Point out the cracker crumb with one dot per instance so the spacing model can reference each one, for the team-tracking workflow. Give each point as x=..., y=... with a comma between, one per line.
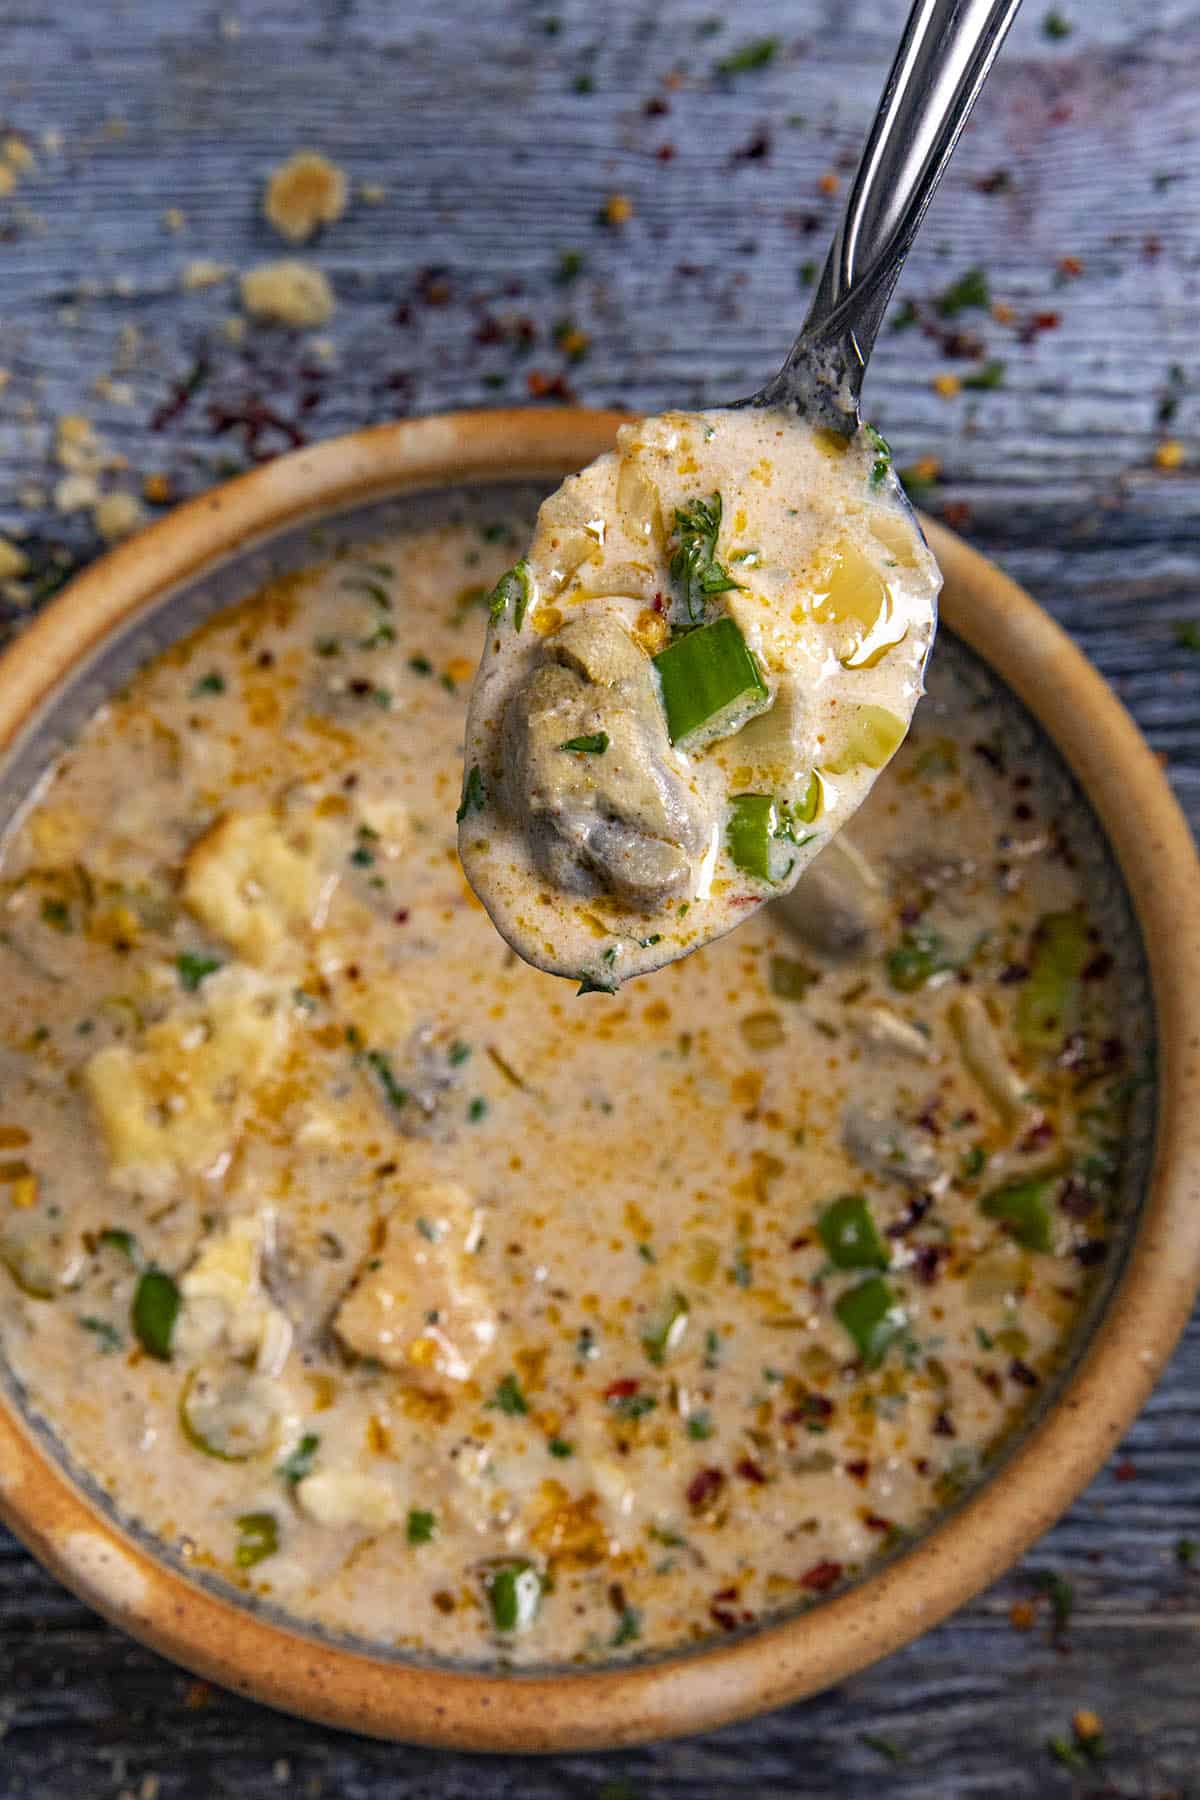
x=288, y=293
x=13, y=561
x=115, y=516
x=203, y=272
x=17, y=154
x=174, y=218
x=1087, y=1725
x=75, y=492
x=156, y=488
x=947, y=385
x=1169, y=454
x=304, y=193
x=618, y=209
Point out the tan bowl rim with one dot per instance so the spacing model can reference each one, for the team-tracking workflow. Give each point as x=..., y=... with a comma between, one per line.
x=695, y=1689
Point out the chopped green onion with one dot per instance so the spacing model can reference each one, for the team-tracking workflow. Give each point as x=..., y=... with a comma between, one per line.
x=514, y=1594
x=873, y=1318
x=757, y=822
x=473, y=796
x=514, y=589
x=595, y=744
x=295, y=1467
x=848, y=1233
x=155, y=1308
x=421, y=1527
x=1022, y=1208
x=560, y=1448
x=1048, y=1003
x=193, y=966
x=919, y=955
x=228, y=1412
x=258, y=1538
x=106, y=1335
x=883, y=456
x=667, y=1331
x=123, y=1242
x=710, y=684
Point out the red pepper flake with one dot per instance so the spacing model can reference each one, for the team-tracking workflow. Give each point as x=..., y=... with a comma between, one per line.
x=749, y=1470
x=727, y=1593
x=721, y=1616
x=1021, y=1372
x=990, y=1379
x=912, y=1215
x=876, y=1522
x=665, y=153
x=944, y=1426
x=549, y=387
x=1012, y=973
x=1037, y=1137
x=957, y=514
x=433, y=287
x=927, y=1261
x=1069, y=267
x=821, y=1576
x=757, y=148
x=1091, y=1253
x=622, y=1390
x=801, y=1242
x=1125, y=1470
x=1098, y=967
x=858, y=1470
x=704, y=1486
x=656, y=107
x=400, y=916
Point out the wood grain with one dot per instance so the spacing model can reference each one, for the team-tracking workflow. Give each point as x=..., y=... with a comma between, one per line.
x=491, y=164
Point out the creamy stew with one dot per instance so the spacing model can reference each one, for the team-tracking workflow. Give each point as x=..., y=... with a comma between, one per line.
x=714, y=644
x=384, y=1278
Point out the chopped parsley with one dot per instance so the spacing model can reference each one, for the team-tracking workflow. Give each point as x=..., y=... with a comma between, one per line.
x=509, y=1399
x=699, y=1426
x=594, y=744
x=420, y=665
x=629, y=1627
x=514, y=589
x=477, y=1110
x=473, y=796
x=561, y=1448
x=883, y=455
x=458, y=1053
x=421, y=1526
x=381, y=1067
x=193, y=966
x=295, y=1467
x=106, y=1335
x=694, y=566
x=969, y=290
x=57, y=914
x=755, y=54
x=991, y=375
x=1056, y=27
x=633, y=1406
x=212, y=683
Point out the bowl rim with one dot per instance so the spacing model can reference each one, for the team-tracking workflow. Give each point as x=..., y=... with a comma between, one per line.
x=694, y=1689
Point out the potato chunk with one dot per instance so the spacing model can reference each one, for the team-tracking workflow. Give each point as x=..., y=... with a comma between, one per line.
x=257, y=885
x=175, y=1105
x=415, y=1304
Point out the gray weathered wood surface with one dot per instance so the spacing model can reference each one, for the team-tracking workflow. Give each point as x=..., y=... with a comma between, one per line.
x=491, y=162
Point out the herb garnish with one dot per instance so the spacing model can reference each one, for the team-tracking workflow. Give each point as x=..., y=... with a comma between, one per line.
x=969, y=290
x=594, y=744
x=509, y=1399
x=295, y=1467
x=156, y=1303
x=395, y=1095
x=473, y=795
x=108, y=1337
x=193, y=966
x=421, y=1526
x=514, y=589
x=883, y=455
x=212, y=683
x=694, y=566
x=258, y=1538
x=753, y=55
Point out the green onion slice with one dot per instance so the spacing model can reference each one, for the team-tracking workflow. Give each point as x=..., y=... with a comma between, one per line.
x=258, y=1538
x=1022, y=1208
x=710, y=683
x=514, y=1594
x=1048, y=1004
x=155, y=1308
x=759, y=830
x=228, y=1412
x=848, y=1233
x=872, y=1316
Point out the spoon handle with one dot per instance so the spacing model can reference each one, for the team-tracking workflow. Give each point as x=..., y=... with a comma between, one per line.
x=945, y=54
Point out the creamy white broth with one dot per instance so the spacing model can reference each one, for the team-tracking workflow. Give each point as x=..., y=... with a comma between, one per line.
x=603, y=837
x=518, y=1308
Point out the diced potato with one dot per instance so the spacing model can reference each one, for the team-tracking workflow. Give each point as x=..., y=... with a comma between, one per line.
x=256, y=885
x=415, y=1305
x=224, y=1297
x=341, y=1497
x=175, y=1104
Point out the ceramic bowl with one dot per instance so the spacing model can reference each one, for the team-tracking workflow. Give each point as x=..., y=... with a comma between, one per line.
x=139, y=596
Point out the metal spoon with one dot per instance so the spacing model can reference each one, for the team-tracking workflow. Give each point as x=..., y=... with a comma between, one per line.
x=944, y=57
